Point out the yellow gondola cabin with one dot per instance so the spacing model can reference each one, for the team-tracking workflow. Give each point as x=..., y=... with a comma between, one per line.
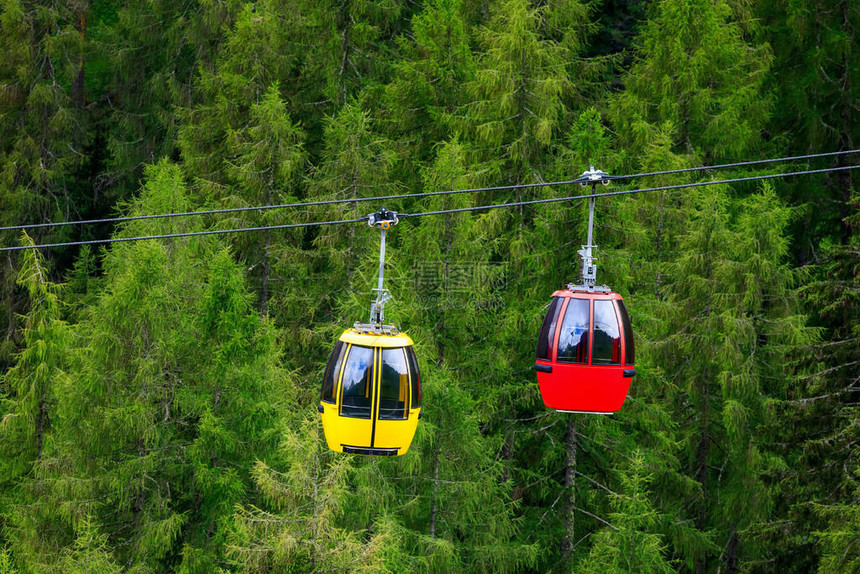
x=371, y=394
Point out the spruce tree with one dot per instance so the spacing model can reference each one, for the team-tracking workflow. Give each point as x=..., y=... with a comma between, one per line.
x=44, y=135
x=694, y=69
x=176, y=391
x=814, y=78
x=630, y=543
x=732, y=317
x=518, y=89
x=428, y=87
x=29, y=386
x=814, y=424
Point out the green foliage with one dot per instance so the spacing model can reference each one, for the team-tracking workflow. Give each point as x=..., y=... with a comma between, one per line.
x=166, y=441
x=518, y=88
x=90, y=552
x=428, y=88
x=41, y=366
x=696, y=72
x=630, y=544
x=839, y=543
x=158, y=406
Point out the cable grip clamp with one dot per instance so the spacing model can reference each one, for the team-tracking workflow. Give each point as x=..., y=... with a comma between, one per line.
x=383, y=219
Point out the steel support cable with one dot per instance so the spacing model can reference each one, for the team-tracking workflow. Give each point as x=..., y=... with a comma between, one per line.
x=287, y=205
x=187, y=234
x=438, y=212
x=409, y=195
x=738, y=164
x=628, y=192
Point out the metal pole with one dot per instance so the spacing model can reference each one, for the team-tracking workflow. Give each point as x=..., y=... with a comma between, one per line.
x=589, y=269
x=591, y=215
x=382, y=261
x=377, y=308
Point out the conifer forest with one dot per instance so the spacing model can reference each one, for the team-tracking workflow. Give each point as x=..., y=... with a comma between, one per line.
x=160, y=398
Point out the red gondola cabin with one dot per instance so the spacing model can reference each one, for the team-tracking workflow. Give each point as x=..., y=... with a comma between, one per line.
x=585, y=352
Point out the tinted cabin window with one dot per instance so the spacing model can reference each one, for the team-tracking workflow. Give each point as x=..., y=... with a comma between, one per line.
x=547, y=330
x=394, y=385
x=358, y=383
x=332, y=371
x=607, y=335
x=628, y=334
x=416, y=377
x=573, y=337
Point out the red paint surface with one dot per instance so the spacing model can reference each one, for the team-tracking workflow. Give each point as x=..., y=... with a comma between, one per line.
x=583, y=387
x=571, y=387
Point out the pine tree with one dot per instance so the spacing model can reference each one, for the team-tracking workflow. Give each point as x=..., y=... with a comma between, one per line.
x=90, y=552
x=815, y=74
x=257, y=59
x=266, y=156
x=515, y=110
x=839, y=549
x=356, y=162
x=696, y=71
x=466, y=515
x=428, y=87
x=29, y=386
x=148, y=56
x=346, y=46
x=734, y=315
x=518, y=90
x=815, y=423
x=44, y=134
x=306, y=491
x=631, y=543
x=175, y=393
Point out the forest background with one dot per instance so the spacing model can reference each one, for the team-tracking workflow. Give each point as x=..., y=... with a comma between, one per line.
x=159, y=397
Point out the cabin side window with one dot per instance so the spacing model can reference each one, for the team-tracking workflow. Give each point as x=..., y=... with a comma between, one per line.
x=332, y=371
x=573, y=337
x=416, y=377
x=394, y=385
x=357, y=397
x=547, y=330
x=629, y=352
x=607, y=335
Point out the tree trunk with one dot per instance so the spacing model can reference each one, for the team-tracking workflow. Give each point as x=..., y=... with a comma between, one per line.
x=659, y=244
x=79, y=94
x=702, y=468
x=433, y=509
x=264, y=295
x=40, y=428
x=845, y=139
x=732, y=559
x=569, y=484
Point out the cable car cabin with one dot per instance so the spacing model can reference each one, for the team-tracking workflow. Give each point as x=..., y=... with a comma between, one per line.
x=371, y=394
x=585, y=352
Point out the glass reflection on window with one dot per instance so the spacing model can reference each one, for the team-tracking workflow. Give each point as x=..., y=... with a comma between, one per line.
x=628, y=334
x=394, y=385
x=332, y=371
x=415, y=375
x=573, y=338
x=607, y=335
x=357, y=399
x=547, y=330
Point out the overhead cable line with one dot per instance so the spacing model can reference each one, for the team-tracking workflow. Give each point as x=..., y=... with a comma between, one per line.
x=627, y=192
x=738, y=164
x=438, y=212
x=409, y=195
x=186, y=234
